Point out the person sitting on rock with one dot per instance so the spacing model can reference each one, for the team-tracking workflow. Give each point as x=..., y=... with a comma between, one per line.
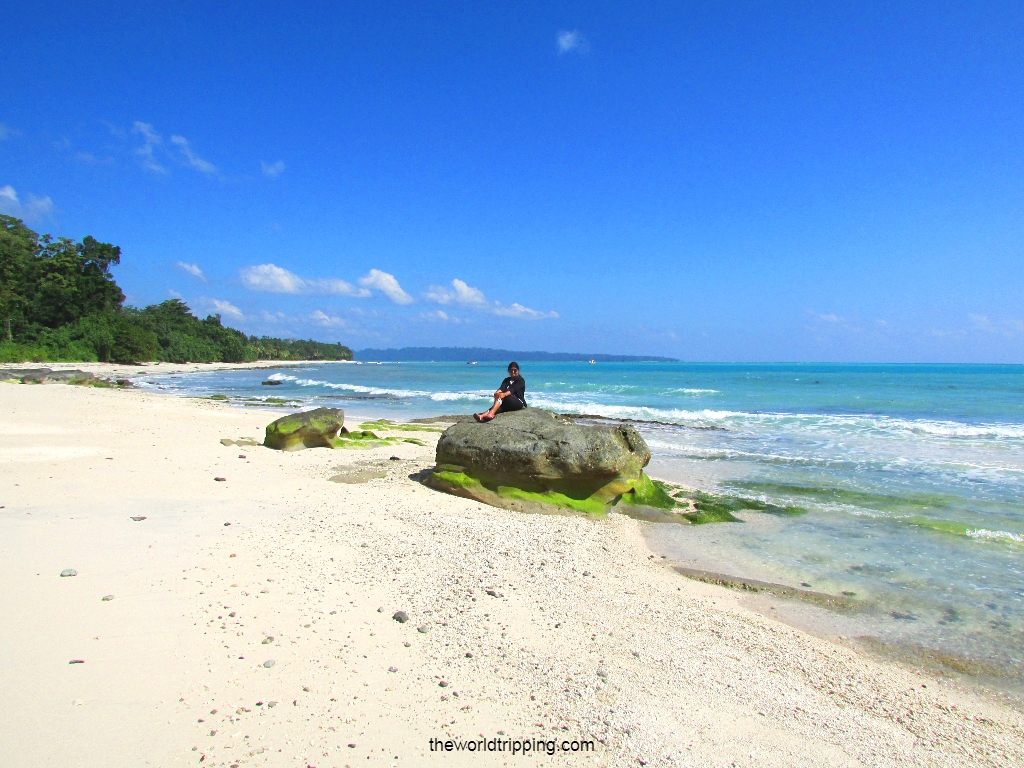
x=511, y=395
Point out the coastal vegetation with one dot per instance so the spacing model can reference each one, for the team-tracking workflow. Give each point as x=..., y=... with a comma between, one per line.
x=60, y=302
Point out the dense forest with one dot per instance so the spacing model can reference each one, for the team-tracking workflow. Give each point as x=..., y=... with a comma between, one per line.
x=59, y=302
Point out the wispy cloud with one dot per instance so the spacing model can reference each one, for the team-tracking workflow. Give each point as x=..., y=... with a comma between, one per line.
x=191, y=158
x=150, y=140
x=273, y=170
x=227, y=308
x=831, y=319
x=386, y=284
x=6, y=132
x=271, y=317
x=192, y=269
x=33, y=210
x=271, y=278
x=522, y=313
x=570, y=41
x=328, y=321
x=439, y=316
x=466, y=295
x=1007, y=328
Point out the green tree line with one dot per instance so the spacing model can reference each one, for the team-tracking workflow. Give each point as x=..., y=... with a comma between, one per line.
x=59, y=302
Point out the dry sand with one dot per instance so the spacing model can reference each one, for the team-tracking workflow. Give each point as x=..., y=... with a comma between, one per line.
x=533, y=626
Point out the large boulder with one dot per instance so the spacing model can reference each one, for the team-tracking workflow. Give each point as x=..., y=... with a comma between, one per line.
x=535, y=457
x=318, y=428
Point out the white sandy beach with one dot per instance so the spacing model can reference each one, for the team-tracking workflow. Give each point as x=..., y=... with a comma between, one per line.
x=587, y=635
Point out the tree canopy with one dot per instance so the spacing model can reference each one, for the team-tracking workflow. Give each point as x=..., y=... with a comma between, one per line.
x=59, y=301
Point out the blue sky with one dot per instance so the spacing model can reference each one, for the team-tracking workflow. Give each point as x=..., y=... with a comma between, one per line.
x=710, y=181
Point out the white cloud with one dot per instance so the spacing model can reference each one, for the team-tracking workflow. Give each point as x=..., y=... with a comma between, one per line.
x=150, y=140
x=274, y=279
x=273, y=170
x=322, y=318
x=569, y=40
x=192, y=269
x=271, y=317
x=193, y=160
x=467, y=295
x=227, y=308
x=34, y=209
x=386, y=284
x=460, y=293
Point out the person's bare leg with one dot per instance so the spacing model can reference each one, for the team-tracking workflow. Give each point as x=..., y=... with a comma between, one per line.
x=492, y=412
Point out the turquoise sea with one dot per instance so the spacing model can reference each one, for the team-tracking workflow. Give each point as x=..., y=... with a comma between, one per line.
x=912, y=477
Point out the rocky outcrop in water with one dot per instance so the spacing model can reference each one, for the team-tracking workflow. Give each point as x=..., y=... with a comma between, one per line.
x=534, y=457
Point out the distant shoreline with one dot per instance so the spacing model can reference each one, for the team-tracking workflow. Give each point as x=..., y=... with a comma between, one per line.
x=489, y=355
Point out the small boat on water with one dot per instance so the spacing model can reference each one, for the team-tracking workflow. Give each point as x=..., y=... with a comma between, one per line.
x=593, y=362
x=471, y=362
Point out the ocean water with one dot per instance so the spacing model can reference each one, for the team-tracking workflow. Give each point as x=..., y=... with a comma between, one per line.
x=911, y=477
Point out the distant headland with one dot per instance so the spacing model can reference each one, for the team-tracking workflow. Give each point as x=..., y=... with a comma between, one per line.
x=485, y=354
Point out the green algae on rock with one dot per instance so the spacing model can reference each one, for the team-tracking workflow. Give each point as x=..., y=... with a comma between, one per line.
x=388, y=425
x=318, y=428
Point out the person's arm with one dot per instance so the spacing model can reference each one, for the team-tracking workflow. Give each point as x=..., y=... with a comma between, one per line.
x=518, y=388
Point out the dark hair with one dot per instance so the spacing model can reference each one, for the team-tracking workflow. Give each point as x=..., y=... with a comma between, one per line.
x=512, y=365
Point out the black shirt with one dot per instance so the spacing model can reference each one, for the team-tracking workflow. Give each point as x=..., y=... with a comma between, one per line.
x=516, y=386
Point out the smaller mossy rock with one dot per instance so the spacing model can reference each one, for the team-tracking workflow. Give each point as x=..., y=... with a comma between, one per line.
x=648, y=493
x=318, y=428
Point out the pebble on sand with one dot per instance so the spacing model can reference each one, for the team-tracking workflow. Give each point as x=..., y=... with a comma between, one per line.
x=220, y=479
x=269, y=663
x=268, y=639
x=77, y=661
x=400, y=616
x=68, y=572
x=423, y=629
x=138, y=518
x=107, y=598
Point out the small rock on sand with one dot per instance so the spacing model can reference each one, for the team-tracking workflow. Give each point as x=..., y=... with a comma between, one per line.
x=68, y=572
x=423, y=629
x=269, y=663
x=220, y=479
x=401, y=617
x=107, y=598
x=268, y=639
x=138, y=518
x=77, y=661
